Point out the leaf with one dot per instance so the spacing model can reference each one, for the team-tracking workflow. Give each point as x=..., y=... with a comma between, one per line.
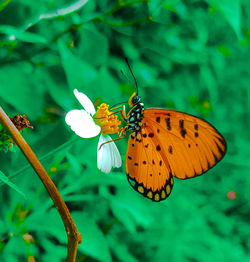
x=122, y=212
x=20, y=90
x=121, y=250
x=160, y=11
x=3, y=4
x=80, y=78
x=6, y=180
x=105, y=81
x=74, y=164
x=127, y=89
x=91, y=41
x=11, y=252
x=231, y=9
x=58, y=253
x=94, y=179
x=93, y=241
x=51, y=226
x=21, y=35
x=131, y=213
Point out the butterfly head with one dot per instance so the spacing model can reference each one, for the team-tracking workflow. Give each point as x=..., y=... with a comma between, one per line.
x=134, y=100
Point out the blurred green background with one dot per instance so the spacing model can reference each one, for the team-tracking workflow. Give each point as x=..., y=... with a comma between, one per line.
x=192, y=56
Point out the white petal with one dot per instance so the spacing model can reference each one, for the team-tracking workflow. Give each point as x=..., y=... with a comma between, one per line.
x=85, y=102
x=82, y=123
x=108, y=156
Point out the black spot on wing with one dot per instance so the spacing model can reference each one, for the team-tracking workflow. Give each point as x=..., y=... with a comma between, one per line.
x=168, y=123
x=181, y=123
x=170, y=150
x=158, y=119
x=183, y=131
x=158, y=148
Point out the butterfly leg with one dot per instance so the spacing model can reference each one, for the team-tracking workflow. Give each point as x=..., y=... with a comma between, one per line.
x=121, y=111
x=121, y=136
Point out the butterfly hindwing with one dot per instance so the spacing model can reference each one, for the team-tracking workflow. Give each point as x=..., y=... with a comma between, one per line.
x=148, y=172
x=191, y=145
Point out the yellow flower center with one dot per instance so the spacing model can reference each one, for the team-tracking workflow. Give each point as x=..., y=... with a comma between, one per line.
x=108, y=122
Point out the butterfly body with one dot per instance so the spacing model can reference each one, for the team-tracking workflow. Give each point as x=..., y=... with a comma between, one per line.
x=135, y=116
x=166, y=143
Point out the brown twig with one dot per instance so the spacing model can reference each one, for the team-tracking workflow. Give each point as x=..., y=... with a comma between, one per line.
x=74, y=237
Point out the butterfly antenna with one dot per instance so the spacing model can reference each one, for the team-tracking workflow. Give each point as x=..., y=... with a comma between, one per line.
x=126, y=77
x=126, y=59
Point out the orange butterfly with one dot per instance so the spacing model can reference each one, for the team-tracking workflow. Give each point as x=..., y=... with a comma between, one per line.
x=166, y=143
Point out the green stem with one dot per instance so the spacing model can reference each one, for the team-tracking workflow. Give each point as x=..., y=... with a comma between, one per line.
x=45, y=157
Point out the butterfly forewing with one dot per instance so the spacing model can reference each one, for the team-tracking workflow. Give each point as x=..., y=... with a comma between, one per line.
x=191, y=146
x=147, y=170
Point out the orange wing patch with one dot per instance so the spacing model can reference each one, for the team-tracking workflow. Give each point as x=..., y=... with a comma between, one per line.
x=148, y=172
x=189, y=145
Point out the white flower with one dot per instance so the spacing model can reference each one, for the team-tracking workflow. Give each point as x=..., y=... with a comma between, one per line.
x=83, y=123
x=108, y=156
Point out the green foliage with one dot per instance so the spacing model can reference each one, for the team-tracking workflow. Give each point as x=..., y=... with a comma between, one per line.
x=5, y=140
x=192, y=56
x=7, y=181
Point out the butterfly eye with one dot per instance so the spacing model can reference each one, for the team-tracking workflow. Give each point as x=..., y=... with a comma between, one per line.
x=135, y=100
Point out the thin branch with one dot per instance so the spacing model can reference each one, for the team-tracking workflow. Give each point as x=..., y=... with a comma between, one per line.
x=127, y=23
x=74, y=237
x=74, y=27
x=58, y=13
